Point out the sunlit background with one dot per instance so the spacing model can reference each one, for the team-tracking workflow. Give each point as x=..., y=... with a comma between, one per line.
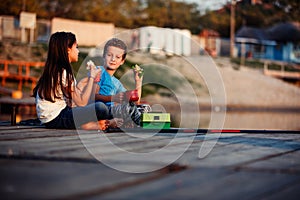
x=254, y=44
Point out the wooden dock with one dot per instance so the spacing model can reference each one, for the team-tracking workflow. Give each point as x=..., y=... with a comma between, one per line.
x=38, y=163
x=282, y=73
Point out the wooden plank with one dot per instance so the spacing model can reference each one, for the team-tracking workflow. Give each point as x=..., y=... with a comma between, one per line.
x=57, y=146
x=209, y=183
x=15, y=104
x=71, y=146
x=29, y=133
x=290, y=192
x=237, y=150
x=34, y=179
x=282, y=74
x=5, y=128
x=285, y=163
x=240, y=165
x=5, y=91
x=29, y=101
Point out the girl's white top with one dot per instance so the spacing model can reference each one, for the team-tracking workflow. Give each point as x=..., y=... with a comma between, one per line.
x=47, y=110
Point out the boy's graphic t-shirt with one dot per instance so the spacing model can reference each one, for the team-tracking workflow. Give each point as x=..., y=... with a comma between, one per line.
x=109, y=85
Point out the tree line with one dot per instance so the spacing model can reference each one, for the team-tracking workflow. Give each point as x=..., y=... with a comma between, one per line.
x=161, y=13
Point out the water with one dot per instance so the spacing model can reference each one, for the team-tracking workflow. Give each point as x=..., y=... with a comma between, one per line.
x=263, y=120
x=252, y=120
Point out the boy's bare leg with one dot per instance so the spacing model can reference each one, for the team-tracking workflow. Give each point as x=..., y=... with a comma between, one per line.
x=116, y=123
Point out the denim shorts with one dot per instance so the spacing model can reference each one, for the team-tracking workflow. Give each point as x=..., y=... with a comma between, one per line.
x=72, y=118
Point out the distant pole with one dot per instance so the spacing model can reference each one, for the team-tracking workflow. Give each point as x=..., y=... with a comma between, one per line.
x=232, y=27
x=24, y=5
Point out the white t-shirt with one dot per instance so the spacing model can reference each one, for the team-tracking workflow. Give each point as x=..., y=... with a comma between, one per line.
x=47, y=110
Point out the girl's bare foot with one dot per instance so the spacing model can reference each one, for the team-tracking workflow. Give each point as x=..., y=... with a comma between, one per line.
x=101, y=124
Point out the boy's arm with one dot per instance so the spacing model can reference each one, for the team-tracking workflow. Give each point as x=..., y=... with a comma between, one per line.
x=99, y=97
x=138, y=84
x=112, y=98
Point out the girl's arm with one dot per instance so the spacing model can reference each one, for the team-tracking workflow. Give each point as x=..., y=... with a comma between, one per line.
x=84, y=89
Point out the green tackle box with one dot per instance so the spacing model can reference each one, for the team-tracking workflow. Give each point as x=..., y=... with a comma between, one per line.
x=156, y=120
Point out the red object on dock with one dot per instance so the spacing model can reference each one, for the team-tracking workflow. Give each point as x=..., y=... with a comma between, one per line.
x=132, y=95
x=225, y=131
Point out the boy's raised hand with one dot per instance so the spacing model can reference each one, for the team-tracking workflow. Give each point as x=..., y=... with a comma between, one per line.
x=138, y=73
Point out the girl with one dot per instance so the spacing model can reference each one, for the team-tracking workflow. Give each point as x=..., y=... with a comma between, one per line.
x=59, y=102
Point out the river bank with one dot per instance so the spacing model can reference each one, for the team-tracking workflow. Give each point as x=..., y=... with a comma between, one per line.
x=244, y=87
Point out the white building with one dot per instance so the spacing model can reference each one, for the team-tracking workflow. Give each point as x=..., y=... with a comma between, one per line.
x=165, y=40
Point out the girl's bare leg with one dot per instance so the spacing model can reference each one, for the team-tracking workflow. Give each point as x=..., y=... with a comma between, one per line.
x=103, y=124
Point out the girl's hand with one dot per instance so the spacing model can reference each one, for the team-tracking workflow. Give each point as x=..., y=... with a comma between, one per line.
x=95, y=74
x=94, y=71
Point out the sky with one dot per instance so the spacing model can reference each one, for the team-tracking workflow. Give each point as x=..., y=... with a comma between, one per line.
x=208, y=4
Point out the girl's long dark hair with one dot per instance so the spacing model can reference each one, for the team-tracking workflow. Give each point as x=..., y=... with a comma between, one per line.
x=57, y=61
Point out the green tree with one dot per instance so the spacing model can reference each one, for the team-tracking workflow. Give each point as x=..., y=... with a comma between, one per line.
x=259, y=15
x=162, y=13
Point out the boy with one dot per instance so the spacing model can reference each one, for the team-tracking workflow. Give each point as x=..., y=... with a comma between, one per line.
x=109, y=89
